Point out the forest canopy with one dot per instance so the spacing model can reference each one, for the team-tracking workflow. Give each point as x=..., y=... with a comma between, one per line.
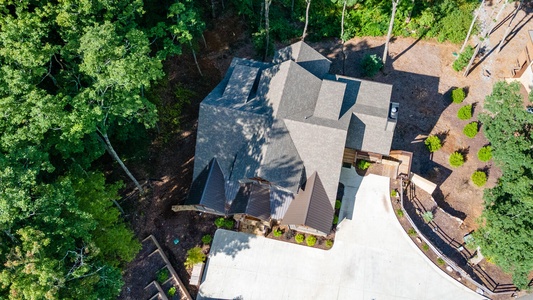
x=73, y=78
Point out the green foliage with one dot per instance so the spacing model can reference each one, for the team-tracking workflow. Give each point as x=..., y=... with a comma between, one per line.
x=172, y=291
x=394, y=193
x=338, y=204
x=310, y=240
x=219, y=222
x=479, y=178
x=462, y=61
x=363, y=164
x=506, y=230
x=370, y=65
x=277, y=232
x=329, y=243
x=299, y=238
x=457, y=159
x=399, y=212
x=194, y=255
x=425, y=247
x=484, y=154
x=465, y=112
x=471, y=129
x=207, y=239
x=162, y=275
x=458, y=95
x=335, y=220
x=228, y=223
x=411, y=232
x=440, y=261
x=427, y=216
x=433, y=143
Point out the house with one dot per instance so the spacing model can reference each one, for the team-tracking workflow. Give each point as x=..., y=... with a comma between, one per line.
x=522, y=70
x=278, y=133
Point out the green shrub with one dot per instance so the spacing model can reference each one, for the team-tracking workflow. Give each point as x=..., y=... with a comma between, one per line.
x=194, y=255
x=371, y=64
x=338, y=204
x=471, y=129
x=394, y=193
x=456, y=159
x=479, y=178
x=464, y=58
x=277, y=232
x=485, y=153
x=427, y=216
x=219, y=222
x=465, y=112
x=171, y=291
x=310, y=240
x=228, y=223
x=440, y=261
x=399, y=212
x=162, y=275
x=335, y=219
x=299, y=238
x=206, y=239
x=329, y=243
x=411, y=232
x=433, y=143
x=363, y=164
x=458, y=95
x=425, y=247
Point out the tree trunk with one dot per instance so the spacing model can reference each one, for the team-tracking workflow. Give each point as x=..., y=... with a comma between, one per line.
x=391, y=25
x=195, y=60
x=267, y=27
x=410, y=12
x=213, y=8
x=306, y=19
x=467, y=70
x=342, y=38
x=292, y=8
x=471, y=27
x=342, y=20
x=509, y=27
x=114, y=154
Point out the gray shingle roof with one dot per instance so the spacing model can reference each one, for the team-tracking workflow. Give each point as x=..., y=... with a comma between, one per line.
x=311, y=207
x=284, y=120
x=306, y=57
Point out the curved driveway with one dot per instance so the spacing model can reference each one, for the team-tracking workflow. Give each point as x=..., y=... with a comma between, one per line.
x=373, y=258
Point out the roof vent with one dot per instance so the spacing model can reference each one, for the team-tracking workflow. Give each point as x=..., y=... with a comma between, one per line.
x=393, y=110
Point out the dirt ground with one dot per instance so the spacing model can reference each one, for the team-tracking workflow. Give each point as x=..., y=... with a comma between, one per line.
x=421, y=74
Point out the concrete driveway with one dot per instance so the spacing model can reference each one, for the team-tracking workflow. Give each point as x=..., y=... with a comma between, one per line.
x=372, y=258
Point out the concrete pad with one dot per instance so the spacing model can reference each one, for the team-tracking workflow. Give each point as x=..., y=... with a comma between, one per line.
x=372, y=258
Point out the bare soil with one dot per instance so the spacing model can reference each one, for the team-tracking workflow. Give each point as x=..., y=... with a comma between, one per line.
x=422, y=78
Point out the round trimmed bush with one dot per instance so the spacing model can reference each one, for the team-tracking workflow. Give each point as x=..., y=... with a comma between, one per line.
x=206, y=239
x=329, y=243
x=471, y=129
x=299, y=238
x=371, y=64
x=338, y=204
x=465, y=112
x=277, y=232
x=485, y=153
x=458, y=95
x=479, y=178
x=335, y=219
x=310, y=240
x=457, y=159
x=433, y=143
x=363, y=164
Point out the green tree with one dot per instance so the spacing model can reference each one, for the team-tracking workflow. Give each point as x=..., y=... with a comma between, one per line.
x=433, y=143
x=506, y=219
